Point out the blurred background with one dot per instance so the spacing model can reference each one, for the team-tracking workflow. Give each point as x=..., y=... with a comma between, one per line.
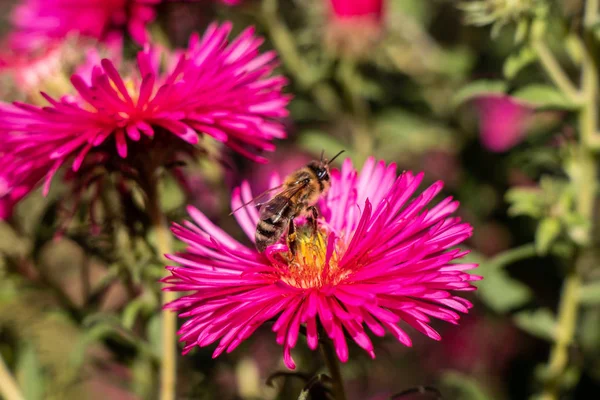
x=422, y=83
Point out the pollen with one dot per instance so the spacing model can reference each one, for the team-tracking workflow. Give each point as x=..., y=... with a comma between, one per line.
x=312, y=267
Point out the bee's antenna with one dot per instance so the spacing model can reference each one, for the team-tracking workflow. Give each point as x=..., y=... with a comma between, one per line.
x=336, y=156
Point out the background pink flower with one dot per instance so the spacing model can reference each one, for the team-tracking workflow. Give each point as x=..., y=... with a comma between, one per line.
x=354, y=26
x=357, y=8
x=220, y=88
x=377, y=260
x=502, y=122
x=39, y=22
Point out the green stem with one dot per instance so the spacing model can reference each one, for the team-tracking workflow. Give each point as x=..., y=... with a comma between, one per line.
x=565, y=331
x=8, y=385
x=555, y=71
x=168, y=369
x=333, y=366
x=510, y=256
x=584, y=179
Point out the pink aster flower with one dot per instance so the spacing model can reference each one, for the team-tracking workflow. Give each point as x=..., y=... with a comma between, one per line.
x=502, y=122
x=13, y=188
x=378, y=260
x=354, y=25
x=342, y=9
x=39, y=22
x=216, y=87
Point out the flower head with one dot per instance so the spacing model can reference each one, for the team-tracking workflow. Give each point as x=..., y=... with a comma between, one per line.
x=219, y=88
x=376, y=260
x=39, y=22
x=503, y=122
x=354, y=26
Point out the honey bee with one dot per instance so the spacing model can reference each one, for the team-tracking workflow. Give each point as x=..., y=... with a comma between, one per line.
x=298, y=194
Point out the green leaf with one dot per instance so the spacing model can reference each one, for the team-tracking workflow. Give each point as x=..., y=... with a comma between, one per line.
x=525, y=201
x=29, y=373
x=590, y=294
x=540, y=323
x=141, y=305
x=547, y=232
x=171, y=194
x=477, y=89
x=543, y=97
x=499, y=291
x=589, y=331
x=402, y=134
x=154, y=334
x=143, y=381
x=518, y=60
x=468, y=388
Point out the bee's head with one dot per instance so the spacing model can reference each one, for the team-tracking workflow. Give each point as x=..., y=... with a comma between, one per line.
x=321, y=167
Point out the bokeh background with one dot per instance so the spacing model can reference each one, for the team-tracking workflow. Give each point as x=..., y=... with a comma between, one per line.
x=79, y=312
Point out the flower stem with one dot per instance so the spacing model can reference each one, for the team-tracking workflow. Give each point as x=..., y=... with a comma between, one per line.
x=555, y=71
x=168, y=368
x=565, y=330
x=333, y=366
x=8, y=386
x=584, y=178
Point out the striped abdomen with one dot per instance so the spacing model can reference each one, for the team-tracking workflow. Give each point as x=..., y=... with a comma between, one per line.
x=274, y=219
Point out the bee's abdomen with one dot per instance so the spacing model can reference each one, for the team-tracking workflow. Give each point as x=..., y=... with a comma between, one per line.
x=268, y=232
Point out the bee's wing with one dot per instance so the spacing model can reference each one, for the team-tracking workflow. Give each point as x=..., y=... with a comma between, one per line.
x=275, y=207
x=256, y=199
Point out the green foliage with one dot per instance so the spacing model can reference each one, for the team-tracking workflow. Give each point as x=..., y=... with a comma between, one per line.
x=540, y=323
x=553, y=202
x=402, y=133
x=518, y=60
x=477, y=89
x=543, y=97
x=501, y=292
x=589, y=294
x=29, y=373
x=464, y=386
x=547, y=232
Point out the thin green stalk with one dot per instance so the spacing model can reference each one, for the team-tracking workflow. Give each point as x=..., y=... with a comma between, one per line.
x=555, y=71
x=168, y=370
x=565, y=331
x=333, y=366
x=8, y=385
x=513, y=255
x=585, y=179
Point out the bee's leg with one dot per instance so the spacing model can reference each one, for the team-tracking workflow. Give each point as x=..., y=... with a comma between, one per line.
x=312, y=218
x=291, y=238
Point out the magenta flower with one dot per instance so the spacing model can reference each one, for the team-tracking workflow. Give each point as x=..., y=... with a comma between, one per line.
x=219, y=88
x=355, y=26
x=13, y=188
x=377, y=260
x=357, y=8
x=39, y=22
x=502, y=122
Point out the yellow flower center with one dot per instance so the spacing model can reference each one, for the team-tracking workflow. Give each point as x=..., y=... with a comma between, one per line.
x=310, y=267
